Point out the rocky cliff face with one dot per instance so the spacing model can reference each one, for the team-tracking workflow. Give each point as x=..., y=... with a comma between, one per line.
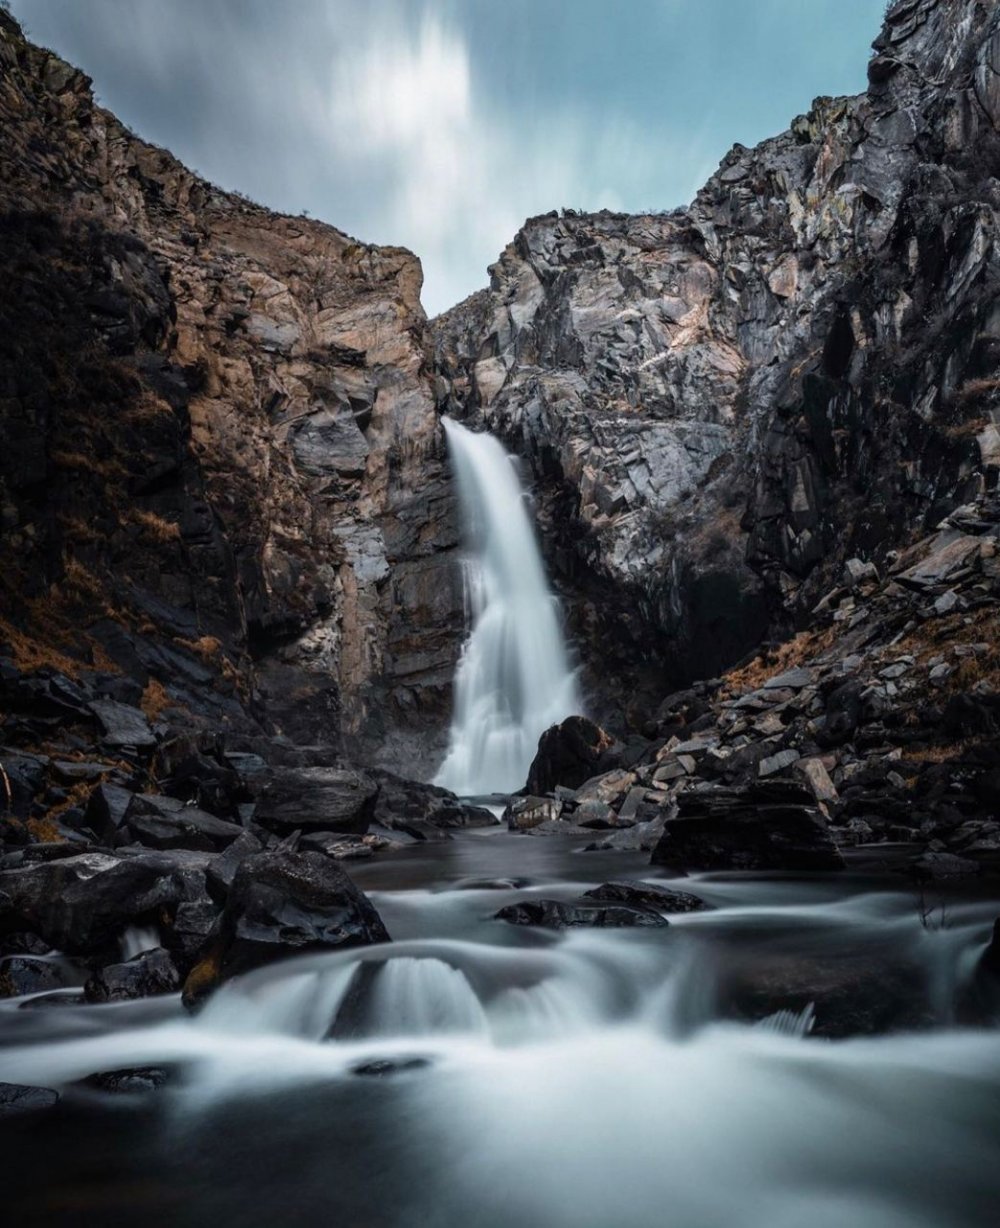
x=222, y=479
x=723, y=403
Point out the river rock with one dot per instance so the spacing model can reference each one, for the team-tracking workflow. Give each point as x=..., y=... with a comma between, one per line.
x=568, y=754
x=280, y=904
x=19, y=1098
x=523, y=813
x=646, y=895
x=555, y=914
x=321, y=798
x=768, y=826
x=150, y=972
x=82, y=903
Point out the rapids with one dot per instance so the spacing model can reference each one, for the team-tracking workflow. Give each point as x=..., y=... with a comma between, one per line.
x=594, y=1078
x=513, y=680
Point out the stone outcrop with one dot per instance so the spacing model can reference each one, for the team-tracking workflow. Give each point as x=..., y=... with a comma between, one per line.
x=222, y=484
x=723, y=403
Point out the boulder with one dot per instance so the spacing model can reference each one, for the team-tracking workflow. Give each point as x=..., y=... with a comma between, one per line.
x=20, y=1098
x=568, y=754
x=283, y=903
x=25, y=974
x=150, y=972
x=554, y=914
x=321, y=798
x=82, y=903
x=122, y=725
x=640, y=894
x=167, y=823
x=770, y=825
x=523, y=813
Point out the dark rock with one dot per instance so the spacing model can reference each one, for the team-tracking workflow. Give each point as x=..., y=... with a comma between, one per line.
x=280, y=904
x=568, y=754
x=167, y=823
x=647, y=895
x=21, y=974
x=186, y=932
x=148, y=973
x=222, y=869
x=323, y=798
x=19, y=1098
x=85, y=902
x=523, y=813
x=767, y=826
x=134, y=1081
x=106, y=811
x=554, y=914
x=122, y=725
x=381, y=1067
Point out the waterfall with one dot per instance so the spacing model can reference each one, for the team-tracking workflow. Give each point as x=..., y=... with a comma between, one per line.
x=513, y=680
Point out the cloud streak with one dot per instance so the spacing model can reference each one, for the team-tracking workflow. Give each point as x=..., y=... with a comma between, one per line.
x=442, y=124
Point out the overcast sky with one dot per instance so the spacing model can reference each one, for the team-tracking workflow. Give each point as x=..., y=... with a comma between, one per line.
x=443, y=124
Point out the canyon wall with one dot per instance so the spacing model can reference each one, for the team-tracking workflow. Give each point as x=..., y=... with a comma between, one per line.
x=223, y=470
x=723, y=403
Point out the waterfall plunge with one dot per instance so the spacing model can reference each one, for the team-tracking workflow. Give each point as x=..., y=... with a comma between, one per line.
x=513, y=680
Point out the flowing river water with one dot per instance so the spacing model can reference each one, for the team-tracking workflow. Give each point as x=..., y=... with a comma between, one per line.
x=475, y=1073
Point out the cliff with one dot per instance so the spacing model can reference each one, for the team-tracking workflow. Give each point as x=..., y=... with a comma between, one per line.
x=724, y=403
x=222, y=482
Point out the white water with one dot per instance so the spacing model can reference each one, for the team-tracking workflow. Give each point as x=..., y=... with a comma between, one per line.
x=513, y=680
x=584, y=1080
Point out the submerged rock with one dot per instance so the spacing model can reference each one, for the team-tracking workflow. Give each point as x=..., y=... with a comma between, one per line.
x=554, y=914
x=647, y=895
x=283, y=903
x=20, y=1098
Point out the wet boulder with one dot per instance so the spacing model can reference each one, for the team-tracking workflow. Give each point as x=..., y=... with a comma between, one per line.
x=568, y=754
x=557, y=915
x=640, y=894
x=150, y=972
x=79, y=904
x=770, y=825
x=283, y=903
x=168, y=823
x=26, y=974
x=20, y=1098
x=523, y=813
x=317, y=798
x=133, y=1081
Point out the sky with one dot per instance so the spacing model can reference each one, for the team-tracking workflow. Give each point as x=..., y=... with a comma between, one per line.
x=442, y=125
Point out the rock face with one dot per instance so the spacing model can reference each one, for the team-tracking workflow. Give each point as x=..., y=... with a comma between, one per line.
x=222, y=484
x=723, y=403
x=283, y=903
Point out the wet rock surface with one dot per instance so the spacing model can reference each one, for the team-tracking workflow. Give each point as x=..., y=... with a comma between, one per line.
x=554, y=914
x=282, y=903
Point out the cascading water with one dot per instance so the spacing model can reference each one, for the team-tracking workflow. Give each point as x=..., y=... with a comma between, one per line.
x=513, y=680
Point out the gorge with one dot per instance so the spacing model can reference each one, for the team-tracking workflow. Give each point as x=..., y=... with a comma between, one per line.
x=678, y=546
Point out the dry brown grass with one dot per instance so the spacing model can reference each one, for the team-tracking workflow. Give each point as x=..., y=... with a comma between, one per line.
x=155, y=528
x=155, y=700
x=206, y=647
x=975, y=389
x=32, y=654
x=799, y=650
x=109, y=469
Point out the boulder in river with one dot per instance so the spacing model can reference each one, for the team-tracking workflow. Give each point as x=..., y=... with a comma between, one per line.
x=283, y=903
x=770, y=825
x=150, y=972
x=568, y=754
x=20, y=1098
x=641, y=894
x=555, y=914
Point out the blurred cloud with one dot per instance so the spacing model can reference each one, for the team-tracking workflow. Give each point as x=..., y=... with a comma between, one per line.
x=442, y=124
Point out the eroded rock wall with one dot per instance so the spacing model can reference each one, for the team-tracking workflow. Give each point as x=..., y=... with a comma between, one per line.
x=722, y=403
x=222, y=464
